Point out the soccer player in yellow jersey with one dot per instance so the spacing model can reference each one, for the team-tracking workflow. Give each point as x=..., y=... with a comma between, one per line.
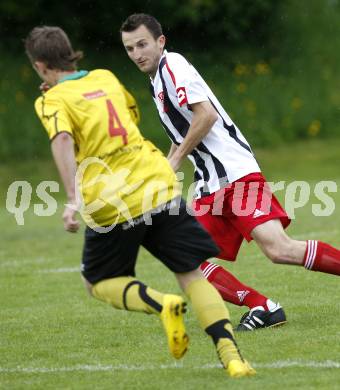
x=129, y=198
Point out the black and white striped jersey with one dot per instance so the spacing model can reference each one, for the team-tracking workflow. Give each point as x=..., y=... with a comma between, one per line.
x=223, y=155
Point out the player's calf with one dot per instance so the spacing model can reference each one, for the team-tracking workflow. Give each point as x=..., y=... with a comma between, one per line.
x=214, y=319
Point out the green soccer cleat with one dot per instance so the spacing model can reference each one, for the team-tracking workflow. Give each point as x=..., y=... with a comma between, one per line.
x=172, y=318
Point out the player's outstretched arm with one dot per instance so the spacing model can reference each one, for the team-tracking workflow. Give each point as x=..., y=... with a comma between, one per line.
x=64, y=157
x=172, y=150
x=203, y=119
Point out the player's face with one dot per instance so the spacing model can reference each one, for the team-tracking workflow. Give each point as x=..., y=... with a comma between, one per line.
x=143, y=49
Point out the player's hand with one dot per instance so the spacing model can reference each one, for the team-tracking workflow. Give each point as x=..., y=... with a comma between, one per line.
x=70, y=222
x=44, y=87
x=175, y=163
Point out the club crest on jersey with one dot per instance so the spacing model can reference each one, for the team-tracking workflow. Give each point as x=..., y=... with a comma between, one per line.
x=161, y=99
x=181, y=96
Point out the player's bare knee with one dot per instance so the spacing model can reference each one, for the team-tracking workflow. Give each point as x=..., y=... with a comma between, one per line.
x=184, y=279
x=88, y=286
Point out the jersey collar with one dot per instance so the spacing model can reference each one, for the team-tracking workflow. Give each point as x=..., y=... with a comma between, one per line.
x=74, y=76
x=165, y=52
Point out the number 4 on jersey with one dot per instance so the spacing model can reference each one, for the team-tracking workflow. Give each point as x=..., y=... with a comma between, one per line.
x=115, y=125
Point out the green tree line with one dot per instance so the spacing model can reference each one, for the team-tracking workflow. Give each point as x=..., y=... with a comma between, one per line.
x=203, y=23
x=279, y=82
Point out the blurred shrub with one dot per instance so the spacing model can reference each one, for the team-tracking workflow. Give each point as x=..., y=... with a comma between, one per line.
x=281, y=91
x=204, y=23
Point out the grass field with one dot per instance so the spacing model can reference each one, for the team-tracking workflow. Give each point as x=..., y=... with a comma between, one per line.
x=52, y=336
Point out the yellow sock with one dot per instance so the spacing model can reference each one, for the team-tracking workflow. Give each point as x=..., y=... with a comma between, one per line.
x=214, y=319
x=128, y=293
x=207, y=303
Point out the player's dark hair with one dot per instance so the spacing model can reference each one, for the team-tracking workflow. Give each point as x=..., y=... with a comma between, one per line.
x=136, y=20
x=51, y=46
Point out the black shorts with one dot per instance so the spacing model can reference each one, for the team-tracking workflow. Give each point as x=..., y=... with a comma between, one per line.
x=178, y=241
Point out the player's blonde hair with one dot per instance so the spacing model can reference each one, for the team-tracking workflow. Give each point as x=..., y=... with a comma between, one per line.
x=52, y=46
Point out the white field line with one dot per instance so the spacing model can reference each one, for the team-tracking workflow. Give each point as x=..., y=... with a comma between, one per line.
x=14, y=263
x=60, y=270
x=98, y=368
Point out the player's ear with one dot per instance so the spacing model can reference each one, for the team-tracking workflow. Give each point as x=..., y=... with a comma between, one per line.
x=161, y=41
x=40, y=67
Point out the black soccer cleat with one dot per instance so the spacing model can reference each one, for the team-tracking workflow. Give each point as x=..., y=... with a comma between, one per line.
x=258, y=318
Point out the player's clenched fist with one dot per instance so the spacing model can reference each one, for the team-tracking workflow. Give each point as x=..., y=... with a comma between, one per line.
x=70, y=222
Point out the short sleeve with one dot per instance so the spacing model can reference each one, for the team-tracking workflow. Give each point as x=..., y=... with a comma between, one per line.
x=186, y=80
x=53, y=115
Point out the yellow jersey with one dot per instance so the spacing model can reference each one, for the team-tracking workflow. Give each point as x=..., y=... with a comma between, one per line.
x=120, y=174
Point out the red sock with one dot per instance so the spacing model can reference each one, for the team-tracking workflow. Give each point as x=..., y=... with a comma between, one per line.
x=322, y=257
x=230, y=288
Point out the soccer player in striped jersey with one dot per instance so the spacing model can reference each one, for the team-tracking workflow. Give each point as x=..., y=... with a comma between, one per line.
x=233, y=200
x=128, y=189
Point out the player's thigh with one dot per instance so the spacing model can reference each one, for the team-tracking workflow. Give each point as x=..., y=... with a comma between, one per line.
x=270, y=234
x=179, y=241
x=111, y=254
